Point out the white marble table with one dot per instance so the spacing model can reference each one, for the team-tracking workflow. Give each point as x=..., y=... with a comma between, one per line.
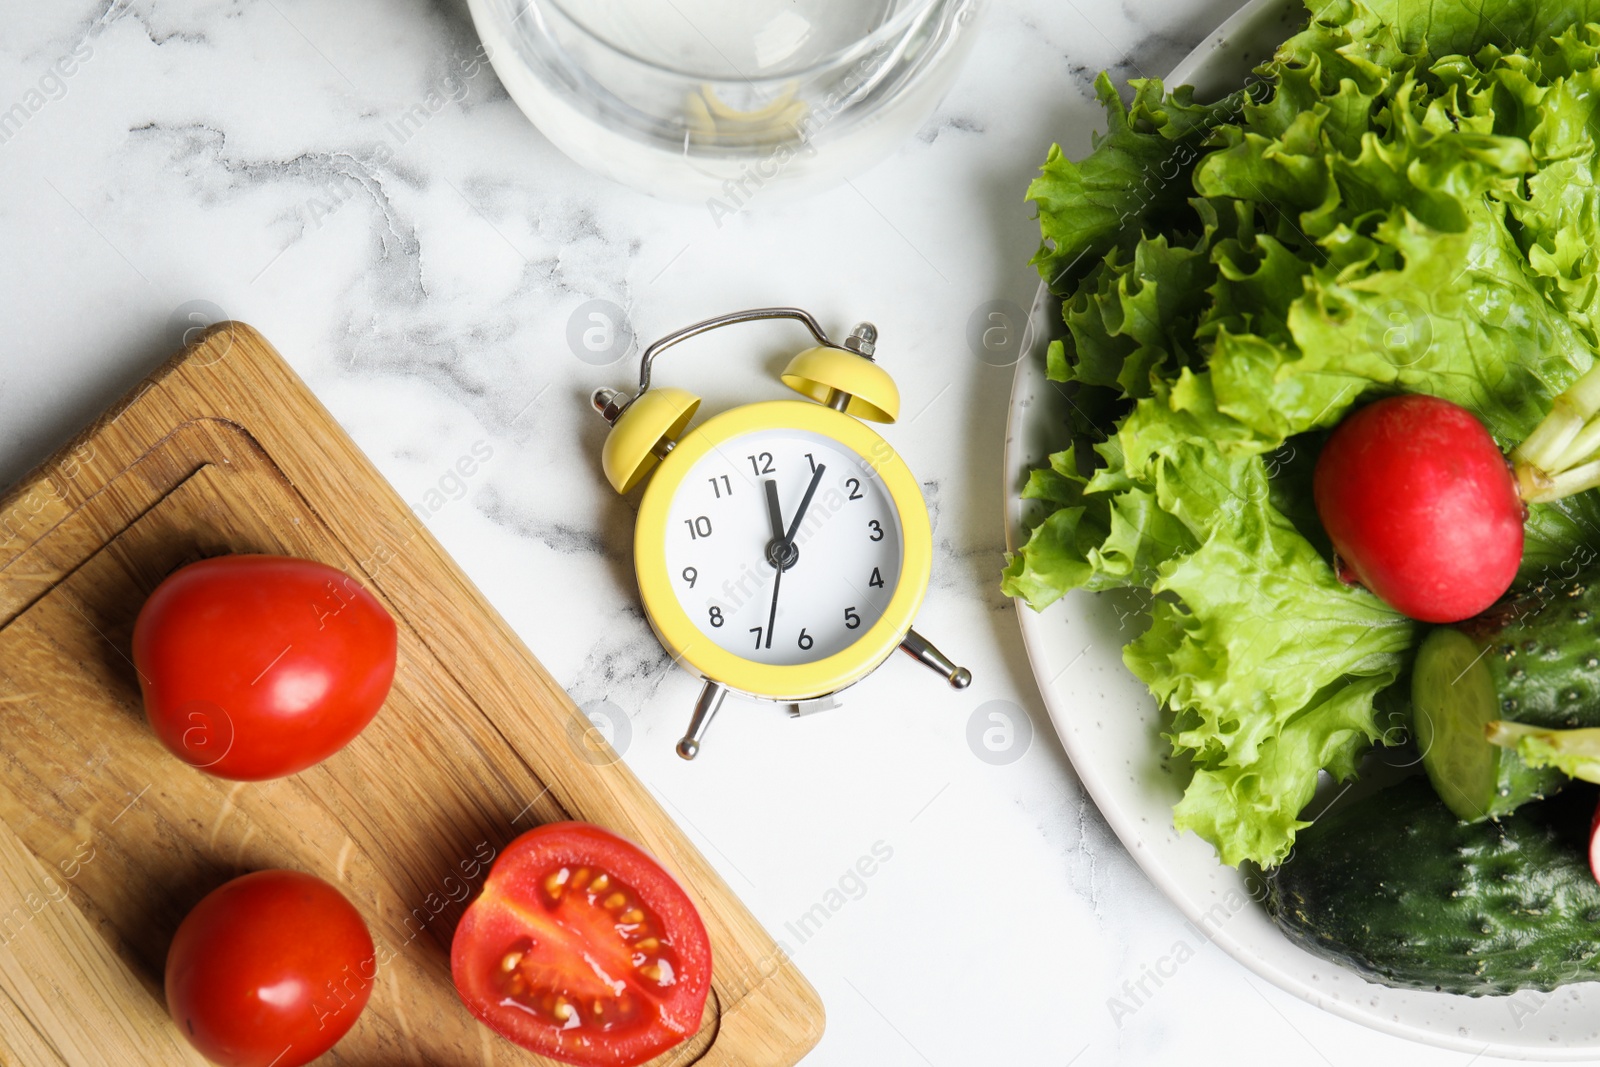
x=224, y=152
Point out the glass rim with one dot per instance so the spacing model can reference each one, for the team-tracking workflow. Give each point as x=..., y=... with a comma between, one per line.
x=888, y=29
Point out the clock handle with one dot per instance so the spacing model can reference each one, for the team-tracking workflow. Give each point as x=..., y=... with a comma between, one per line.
x=921, y=649
x=648, y=359
x=705, y=709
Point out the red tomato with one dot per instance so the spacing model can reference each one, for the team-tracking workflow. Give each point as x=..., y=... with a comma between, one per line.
x=583, y=949
x=270, y=969
x=259, y=666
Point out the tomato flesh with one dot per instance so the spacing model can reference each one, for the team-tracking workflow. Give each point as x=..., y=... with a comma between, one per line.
x=255, y=667
x=583, y=949
x=272, y=968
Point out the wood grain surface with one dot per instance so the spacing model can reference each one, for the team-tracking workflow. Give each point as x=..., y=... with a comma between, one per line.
x=107, y=840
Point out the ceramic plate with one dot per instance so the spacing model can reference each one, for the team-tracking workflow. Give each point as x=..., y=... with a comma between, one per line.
x=1109, y=723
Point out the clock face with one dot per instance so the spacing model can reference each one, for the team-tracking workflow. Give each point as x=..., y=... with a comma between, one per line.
x=722, y=554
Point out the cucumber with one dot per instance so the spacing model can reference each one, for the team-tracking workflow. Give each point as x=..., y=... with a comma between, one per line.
x=1454, y=697
x=1399, y=889
x=1535, y=660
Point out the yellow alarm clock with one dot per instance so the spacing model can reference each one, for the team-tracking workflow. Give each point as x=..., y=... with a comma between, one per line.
x=783, y=547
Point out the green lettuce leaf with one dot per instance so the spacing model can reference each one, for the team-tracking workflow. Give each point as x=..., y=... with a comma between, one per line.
x=1131, y=180
x=1405, y=201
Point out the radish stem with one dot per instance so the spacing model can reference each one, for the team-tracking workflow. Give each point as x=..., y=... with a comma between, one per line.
x=1575, y=480
x=1562, y=455
x=1575, y=753
x=1550, y=438
x=1583, y=446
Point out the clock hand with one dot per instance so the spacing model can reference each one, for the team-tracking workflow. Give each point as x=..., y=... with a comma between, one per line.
x=781, y=551
x=774, y=512
x=772, y=613
x=776, y=550
x=805, y=502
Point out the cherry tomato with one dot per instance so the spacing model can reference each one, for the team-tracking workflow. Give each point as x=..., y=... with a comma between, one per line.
x=583, y=949
x=270, y=969
x=260, y=666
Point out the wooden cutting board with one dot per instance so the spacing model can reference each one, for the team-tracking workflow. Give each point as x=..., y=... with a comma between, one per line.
x=106, y=840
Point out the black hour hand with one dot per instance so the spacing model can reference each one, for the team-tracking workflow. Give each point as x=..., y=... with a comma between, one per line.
x=774, y=512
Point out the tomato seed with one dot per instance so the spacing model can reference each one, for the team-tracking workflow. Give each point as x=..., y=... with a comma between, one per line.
x=541, y=988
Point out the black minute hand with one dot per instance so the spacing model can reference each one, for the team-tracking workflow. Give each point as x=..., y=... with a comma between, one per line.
x=772, y=613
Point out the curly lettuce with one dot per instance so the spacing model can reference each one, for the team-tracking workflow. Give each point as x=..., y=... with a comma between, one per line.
x=1404, y=199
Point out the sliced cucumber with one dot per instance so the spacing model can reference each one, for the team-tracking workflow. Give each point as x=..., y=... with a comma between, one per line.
x=1453, y=699
x=1533, y=659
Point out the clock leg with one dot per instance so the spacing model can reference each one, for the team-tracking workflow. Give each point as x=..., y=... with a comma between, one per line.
x=921, y=649
x=705, y=709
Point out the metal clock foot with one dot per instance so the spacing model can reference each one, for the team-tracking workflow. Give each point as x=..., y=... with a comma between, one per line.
x=705, y=709
x=921, y=649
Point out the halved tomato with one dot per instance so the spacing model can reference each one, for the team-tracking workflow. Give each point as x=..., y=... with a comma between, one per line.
x=583, y=949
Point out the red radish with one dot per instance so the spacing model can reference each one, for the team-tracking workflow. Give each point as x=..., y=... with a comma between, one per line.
x=1423, y=509
x=1421, y=506
x=1594, y=845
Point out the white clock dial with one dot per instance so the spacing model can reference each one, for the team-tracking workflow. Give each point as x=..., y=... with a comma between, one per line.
x=848, y=547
